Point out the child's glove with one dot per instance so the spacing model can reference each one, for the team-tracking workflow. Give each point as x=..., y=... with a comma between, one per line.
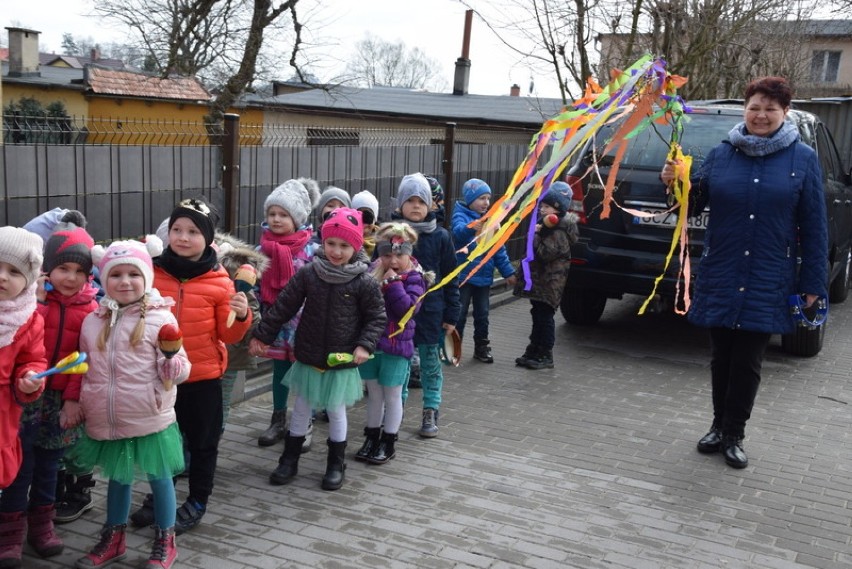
x=170, y=369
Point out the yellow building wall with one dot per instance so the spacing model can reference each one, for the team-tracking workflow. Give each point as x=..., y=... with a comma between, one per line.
x=75, y=104
x=133, y=121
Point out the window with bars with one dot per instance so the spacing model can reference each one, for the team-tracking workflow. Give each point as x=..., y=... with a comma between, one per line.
x=824, y=66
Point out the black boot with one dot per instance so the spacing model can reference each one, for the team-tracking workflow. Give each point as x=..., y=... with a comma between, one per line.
x=529, y=354
x=288, y=464
x=482, y=352
x=732, y=450
x=335, y=467
x=712, y=441
x=384, y=451
x=371, y=439
x=543, y=360
x=77, y=499
x=276, y=431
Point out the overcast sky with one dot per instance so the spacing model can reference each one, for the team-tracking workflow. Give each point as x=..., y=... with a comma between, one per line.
x=434, y=26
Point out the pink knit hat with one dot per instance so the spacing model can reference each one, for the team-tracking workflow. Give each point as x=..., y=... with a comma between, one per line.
x=345, y=223
x=133, y=253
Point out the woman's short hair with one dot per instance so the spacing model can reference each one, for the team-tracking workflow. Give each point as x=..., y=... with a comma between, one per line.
x=775, y=88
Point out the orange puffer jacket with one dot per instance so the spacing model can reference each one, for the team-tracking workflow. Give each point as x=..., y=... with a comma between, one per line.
x=201, y=308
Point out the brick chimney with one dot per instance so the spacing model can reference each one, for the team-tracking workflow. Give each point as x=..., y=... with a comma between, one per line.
x=23, y=52
x=515, y=90
x=462, y=78
x=94, y=55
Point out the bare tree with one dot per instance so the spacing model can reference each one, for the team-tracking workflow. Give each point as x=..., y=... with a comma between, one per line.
x=377, y=62
x=219, y=41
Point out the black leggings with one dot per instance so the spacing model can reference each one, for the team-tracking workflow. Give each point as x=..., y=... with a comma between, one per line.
x=199, y=415
x=735, y=370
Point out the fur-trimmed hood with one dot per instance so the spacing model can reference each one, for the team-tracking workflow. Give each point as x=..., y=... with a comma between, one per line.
x=233, y=252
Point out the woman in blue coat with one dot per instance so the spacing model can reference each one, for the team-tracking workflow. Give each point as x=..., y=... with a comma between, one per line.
x=764, y=189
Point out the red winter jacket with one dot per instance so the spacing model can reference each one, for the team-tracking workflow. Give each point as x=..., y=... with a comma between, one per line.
x=24, y=354
x=202, y=308
x=63, y=317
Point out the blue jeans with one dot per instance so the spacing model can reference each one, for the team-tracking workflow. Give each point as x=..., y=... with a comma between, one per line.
x=481, y=297
x=543, y=332
x=35, y=484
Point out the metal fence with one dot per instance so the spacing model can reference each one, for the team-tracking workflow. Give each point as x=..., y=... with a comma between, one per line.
x=126, y=175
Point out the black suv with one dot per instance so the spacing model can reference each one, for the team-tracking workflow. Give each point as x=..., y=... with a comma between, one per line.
x=624, y=254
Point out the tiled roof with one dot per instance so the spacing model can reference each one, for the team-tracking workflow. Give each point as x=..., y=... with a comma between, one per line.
x=103, y=81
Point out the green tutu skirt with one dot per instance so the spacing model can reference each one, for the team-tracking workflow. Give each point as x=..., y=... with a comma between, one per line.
x=155, y=456
x=325, y=389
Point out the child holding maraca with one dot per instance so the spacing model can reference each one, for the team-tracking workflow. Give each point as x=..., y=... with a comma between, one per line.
x=127, y=400
x=21, y=350
x=48, y=424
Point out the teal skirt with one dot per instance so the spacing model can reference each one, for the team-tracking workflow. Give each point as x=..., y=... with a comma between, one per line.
x=325, y=389
x=155, y=456
x=390, y=370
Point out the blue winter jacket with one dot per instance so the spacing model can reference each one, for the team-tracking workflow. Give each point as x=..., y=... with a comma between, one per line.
x=462, y=235
x=435, y=252
x=763, y=210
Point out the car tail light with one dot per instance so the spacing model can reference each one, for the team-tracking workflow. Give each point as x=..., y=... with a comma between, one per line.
x=577, y=199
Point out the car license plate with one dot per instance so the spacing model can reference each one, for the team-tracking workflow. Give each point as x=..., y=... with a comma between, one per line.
x=662, y=218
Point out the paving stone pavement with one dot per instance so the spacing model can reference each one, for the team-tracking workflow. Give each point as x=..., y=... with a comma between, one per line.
x=589, y=465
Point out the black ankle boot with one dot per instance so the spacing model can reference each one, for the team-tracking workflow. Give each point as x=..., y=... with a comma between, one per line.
x=335, y=466
x=288, y=464
x=384, y=451
x=732, y=450
x=712, y=441
x=529, y=354
x=543, y=360
x=371, y=440
x=482, y=351
x=276, y=431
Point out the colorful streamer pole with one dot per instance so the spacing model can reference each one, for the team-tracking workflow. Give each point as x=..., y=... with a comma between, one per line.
x=640, y=95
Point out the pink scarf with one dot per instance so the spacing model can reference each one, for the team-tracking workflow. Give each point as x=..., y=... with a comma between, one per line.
x=281, y=250
x=15, y=313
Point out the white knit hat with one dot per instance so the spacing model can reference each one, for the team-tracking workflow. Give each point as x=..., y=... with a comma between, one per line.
x=23, y=250
x=133, y=253
x=366, y=200
x=297, y=197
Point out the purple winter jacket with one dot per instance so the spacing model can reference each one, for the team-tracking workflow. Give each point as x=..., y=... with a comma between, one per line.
x=399, y=297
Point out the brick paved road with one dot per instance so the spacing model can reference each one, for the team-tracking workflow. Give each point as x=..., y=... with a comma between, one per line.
x=591, y=465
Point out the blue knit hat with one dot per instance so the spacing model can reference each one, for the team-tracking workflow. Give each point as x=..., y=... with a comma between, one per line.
x=557, y=200
x=563, y=188
x=473, y=189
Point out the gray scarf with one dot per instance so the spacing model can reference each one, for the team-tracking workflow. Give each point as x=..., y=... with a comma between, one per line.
x=335, y=274
x=423, y=226
x=753, y=145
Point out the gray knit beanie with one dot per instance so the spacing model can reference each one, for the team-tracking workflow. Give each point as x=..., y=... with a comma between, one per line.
x=414, y=185
x=23, y=250
x=334, y=193
x=297, y=197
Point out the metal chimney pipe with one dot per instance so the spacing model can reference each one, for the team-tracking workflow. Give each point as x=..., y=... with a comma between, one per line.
x=462, y=77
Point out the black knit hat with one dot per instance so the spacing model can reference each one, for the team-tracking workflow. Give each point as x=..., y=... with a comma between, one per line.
x=68, y=244
x=200, y=213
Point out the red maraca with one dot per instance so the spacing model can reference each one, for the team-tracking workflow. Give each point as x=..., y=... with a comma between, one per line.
x=170, y=340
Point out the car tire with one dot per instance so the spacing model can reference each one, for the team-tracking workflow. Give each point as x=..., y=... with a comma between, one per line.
x=839, y=289
x=804, y=342
x=582, y=307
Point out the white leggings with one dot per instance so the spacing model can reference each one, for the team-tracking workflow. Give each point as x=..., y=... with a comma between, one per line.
x=301, y=420
x=384, y=403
